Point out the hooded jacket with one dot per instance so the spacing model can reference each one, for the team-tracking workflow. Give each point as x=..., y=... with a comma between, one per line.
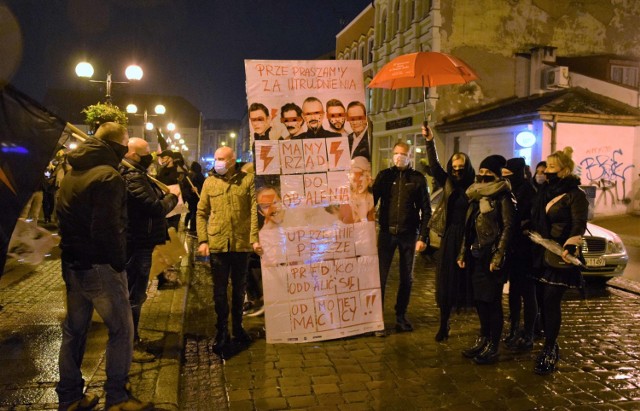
x=405, y=207
x=91, y=208
x=438, y=222
x=147, y=207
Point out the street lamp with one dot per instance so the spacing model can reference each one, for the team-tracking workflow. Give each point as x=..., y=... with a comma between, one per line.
x=158, y=109
x=85, y=70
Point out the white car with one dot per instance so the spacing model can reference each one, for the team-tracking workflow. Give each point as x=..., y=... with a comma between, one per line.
x=603, y=251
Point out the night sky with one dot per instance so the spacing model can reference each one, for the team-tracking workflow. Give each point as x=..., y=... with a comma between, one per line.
x=192, y=48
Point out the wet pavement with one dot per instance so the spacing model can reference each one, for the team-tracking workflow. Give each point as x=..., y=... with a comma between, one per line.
x=599, y=367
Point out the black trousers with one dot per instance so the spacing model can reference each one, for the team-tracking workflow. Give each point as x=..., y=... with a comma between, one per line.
x=232, y=265
x=406, y=245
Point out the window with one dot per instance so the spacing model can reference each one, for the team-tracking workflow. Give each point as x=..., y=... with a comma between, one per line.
x=370, y=48
x=354, y=54
x=361, y=51
x=398, y=20
x=626, y=75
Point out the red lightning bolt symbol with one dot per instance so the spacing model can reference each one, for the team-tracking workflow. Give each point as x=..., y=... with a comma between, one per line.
x=264, y=156
x=335, y=145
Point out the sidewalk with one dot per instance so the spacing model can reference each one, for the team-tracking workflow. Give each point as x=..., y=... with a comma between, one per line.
x=30, y=334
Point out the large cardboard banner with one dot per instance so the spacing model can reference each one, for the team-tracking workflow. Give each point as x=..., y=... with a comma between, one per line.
x=311, y=148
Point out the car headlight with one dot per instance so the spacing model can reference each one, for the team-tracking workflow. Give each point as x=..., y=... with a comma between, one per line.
x=615, y=246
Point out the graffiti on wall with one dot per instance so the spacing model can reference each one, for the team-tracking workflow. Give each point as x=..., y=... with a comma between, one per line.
x=608, y=171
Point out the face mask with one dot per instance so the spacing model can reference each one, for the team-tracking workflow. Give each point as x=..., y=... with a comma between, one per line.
x=221, y=167
x=118, y=148
x=540, y=178
x=400, y=160
x=551, y=177
x=457, y=174
x=146, y=160
x=485, y=178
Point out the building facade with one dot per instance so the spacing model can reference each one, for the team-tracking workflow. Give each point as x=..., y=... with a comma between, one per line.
x=498, y=40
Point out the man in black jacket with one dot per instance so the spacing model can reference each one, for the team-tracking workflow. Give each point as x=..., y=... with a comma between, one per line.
x=147, y=206
x=404, y=212
x=92, y=215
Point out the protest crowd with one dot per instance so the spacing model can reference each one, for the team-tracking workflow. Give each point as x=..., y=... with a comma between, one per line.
x=116, y=201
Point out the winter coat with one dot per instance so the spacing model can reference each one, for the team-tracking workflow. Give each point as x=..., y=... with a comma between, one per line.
x=438, y=221
x=560, y=212
x=405, y=207
x=147, y=207
x=227, y=215
x=91, y=208
x=491, y=228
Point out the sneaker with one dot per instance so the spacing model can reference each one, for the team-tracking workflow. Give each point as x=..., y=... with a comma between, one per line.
x=141, y=355
x=87, y=402
x=248, y=307
x=132, y=404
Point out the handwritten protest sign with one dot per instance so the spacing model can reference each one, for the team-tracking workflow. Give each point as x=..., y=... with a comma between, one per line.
x=320, y=265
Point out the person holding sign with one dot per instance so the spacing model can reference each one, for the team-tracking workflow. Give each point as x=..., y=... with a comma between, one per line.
x=227, y=224
x=404, y=213
x=147, y=206
x=313, y=113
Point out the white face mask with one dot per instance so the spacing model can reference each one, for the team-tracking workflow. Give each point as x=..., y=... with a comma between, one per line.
x=221, y=167
x=400, y=160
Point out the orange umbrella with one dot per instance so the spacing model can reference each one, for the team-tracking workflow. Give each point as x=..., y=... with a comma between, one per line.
x=423, y=69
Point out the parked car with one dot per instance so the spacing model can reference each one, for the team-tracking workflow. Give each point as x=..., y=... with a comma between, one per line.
x=603, y=250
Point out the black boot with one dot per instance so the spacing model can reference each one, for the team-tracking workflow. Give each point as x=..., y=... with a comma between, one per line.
x=512, y=336
x=524, y=343
x=546, y=362
x=489, y=355
x=443, y=332
x=479, y=345
x=222, y=339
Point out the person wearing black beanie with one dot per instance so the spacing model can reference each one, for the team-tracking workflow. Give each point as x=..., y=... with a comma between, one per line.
x=488, y=229
x=522, y=290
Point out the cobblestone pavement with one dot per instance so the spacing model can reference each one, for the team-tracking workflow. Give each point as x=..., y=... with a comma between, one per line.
x=30, y=334
x=599, y=367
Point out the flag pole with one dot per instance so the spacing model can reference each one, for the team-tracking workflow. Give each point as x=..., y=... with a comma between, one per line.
x=80, y=135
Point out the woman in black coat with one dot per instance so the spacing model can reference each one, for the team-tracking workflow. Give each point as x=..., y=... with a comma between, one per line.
x=488, y=231
x=453, y=284
x=522, y=288
x=559, y=213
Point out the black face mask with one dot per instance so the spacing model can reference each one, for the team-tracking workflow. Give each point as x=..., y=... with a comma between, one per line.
x=485, y=178
x=457, y=174
x=118, y=148
x=552, y=178
x=145, y=161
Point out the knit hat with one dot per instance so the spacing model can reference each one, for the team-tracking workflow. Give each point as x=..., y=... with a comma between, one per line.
x=495, y=163
x=515, y=165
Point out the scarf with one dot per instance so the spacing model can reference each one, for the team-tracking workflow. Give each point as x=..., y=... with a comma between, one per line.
x=483, y=192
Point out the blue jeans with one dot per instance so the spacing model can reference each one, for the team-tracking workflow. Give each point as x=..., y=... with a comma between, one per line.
x=102, y=288
x=223, y=266
x=138, y=267
x=406, y=245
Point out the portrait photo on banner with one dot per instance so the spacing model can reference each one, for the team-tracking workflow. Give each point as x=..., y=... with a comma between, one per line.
x=311, y=148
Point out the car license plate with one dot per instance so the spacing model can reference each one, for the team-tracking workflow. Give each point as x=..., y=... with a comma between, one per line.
x=595, y=261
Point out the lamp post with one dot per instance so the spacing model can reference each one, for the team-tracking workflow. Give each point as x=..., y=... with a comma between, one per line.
x=85, y=70
x=158, y=110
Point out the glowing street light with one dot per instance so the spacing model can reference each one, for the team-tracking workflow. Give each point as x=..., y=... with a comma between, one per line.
x=85, y=70
x=159, y=110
